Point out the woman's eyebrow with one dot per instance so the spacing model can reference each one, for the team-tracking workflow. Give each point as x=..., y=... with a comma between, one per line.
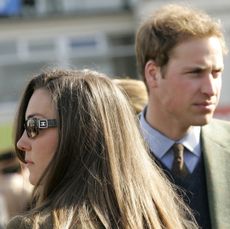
x=30, y=116
x=34, y=114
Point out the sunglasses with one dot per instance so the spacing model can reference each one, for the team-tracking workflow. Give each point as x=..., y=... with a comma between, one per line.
x=34, y=125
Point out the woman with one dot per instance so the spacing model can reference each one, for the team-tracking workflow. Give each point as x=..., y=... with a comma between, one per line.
x=79, y=139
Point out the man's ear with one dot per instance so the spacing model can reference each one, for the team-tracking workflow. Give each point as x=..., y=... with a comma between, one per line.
x=152, y=73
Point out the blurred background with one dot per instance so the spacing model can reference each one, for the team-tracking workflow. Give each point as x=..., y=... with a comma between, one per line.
x=97, y=34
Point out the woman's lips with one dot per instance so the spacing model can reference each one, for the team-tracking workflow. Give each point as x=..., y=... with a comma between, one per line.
x=28, y=162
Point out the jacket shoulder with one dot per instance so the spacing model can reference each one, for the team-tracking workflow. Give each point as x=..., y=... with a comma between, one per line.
x=217, y=130
x=43, y=221
x=218, y=124
x=19, y=222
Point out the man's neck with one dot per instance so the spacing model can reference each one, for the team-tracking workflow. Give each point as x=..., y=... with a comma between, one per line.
x=170, y=128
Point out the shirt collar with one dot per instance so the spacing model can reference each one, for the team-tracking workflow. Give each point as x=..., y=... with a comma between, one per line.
x=192, y=140
x=159, y=144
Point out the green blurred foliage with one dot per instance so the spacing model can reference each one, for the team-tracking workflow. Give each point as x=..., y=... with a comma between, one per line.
x=6, y=140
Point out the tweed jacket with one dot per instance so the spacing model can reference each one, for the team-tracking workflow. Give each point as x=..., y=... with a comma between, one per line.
x=215, y=139
x=24, y=222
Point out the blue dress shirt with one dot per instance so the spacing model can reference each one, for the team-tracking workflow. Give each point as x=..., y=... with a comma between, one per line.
x=161, y=145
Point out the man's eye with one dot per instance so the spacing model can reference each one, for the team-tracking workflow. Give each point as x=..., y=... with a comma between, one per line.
x=217, y=72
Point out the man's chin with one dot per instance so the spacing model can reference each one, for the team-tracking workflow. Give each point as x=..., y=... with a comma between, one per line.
x=202, y=121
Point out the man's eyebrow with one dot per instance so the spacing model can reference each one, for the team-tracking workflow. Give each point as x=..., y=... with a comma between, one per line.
x=203, y=68
x=195, y=69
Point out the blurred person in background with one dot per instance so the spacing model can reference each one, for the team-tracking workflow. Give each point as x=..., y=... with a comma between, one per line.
x=136, y=92
x=3, y=212
x=78, y=137
x=15, y=187
x=180, y=56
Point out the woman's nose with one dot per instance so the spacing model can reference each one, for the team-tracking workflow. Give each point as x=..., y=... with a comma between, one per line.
x=23, y=142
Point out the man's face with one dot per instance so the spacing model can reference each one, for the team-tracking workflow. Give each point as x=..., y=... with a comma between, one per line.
x=189, y=91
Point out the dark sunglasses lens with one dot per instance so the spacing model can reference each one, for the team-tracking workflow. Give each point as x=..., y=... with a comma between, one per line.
x=32, y=128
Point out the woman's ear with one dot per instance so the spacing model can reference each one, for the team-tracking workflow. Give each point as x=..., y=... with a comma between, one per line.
x=152, y=74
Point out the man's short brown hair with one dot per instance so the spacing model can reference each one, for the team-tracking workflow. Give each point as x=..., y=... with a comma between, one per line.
x=168, y=26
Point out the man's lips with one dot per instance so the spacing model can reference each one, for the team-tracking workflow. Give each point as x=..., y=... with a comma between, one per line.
x=205, y=102
x=205, y=105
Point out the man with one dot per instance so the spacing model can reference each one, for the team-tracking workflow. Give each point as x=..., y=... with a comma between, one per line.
x=180, y=56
